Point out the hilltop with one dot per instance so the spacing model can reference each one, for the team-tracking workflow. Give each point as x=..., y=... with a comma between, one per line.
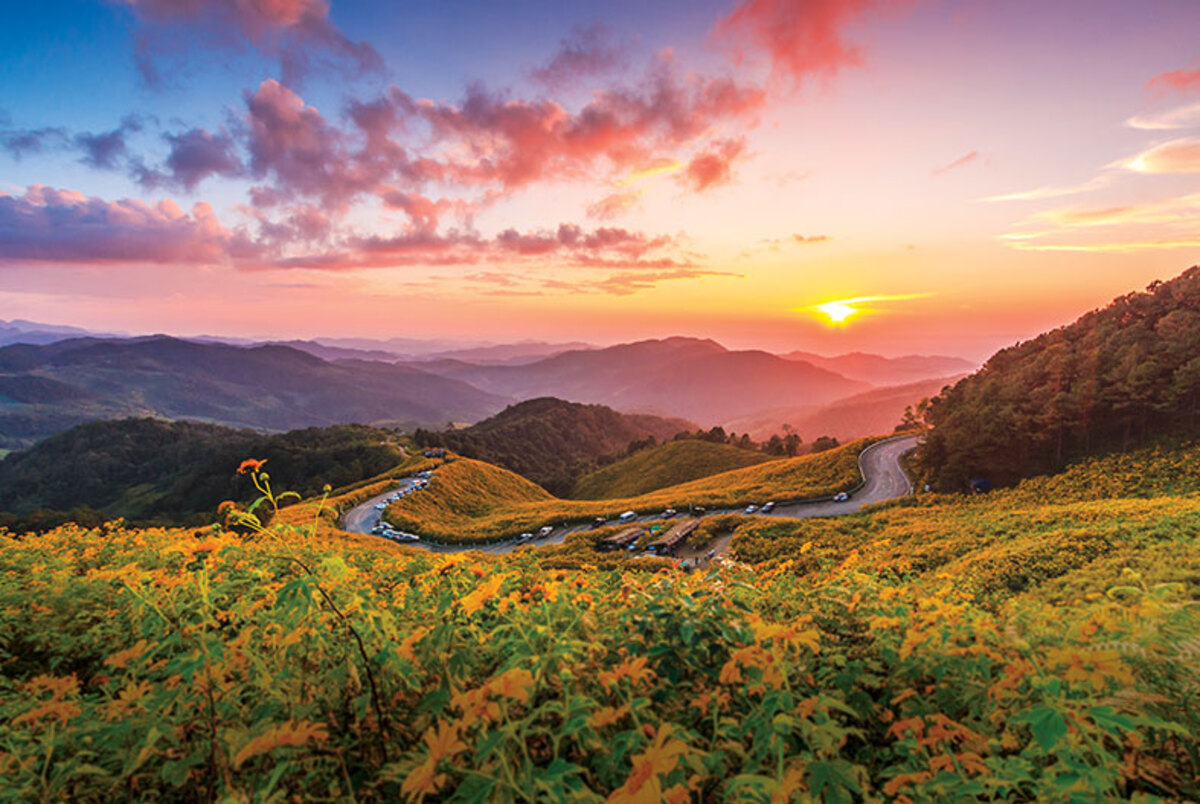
x=551, y=441
x=661, y=466
x=1119, y=377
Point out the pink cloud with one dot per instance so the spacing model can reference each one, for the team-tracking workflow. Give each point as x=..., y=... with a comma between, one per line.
x=712, y=167
x=1183, y=81
x=802, y=38
x=293, y=144
x=613, y=205
x=49, y=225
x=567, y=245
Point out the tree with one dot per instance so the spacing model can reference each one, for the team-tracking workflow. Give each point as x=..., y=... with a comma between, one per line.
x=823, y=443
x=791, y=444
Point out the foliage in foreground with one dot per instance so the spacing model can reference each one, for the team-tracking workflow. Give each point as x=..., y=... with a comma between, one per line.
x=179, y=665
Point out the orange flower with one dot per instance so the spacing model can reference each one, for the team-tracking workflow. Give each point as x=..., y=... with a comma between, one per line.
x=607, y=716
x=250, y=465
x=293, y=732
x=122, y=658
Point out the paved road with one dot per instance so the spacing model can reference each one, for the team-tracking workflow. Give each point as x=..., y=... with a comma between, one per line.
x=880, y=465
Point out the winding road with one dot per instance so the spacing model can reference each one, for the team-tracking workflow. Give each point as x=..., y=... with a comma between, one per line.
x=883, y=479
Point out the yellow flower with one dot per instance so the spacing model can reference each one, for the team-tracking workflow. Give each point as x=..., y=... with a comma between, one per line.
x=423, y=780
x=633, y=669
x=512, y=684
x=486, y=590
x=660, y=758
x=607, y=716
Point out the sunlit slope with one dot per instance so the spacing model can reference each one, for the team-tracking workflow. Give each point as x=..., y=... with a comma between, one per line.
x=665, y=465
x=470, y=501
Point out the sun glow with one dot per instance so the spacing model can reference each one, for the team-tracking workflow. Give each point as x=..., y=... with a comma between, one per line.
x=840, y=311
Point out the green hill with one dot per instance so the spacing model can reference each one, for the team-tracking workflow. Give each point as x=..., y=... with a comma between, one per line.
x=668, y=464
x=552, y=442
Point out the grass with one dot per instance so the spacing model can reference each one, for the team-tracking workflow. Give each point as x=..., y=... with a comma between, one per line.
x=474, y=502
x=665, y=465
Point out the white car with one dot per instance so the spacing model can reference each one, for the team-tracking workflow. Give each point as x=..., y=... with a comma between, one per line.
x=546, y=531
x=667, y=514
x=628, y=516
x=524, y=537
x=768, y=507
x=841, y=496
x=751, y=508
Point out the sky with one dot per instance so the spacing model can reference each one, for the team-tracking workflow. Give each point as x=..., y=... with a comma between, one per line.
x=893, y=176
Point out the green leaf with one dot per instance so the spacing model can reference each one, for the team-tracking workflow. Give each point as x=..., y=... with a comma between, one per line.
x=1110, y=720
x=1047, y=724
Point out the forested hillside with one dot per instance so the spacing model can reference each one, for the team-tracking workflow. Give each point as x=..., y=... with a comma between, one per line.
x=175, y=472
x=551, y=442
x=1117, y=378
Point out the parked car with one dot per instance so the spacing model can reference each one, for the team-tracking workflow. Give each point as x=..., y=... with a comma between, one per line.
x=546, y=531
x=768, y=507
x=524, y=537
x=628, y=516
x=667, y=514
x=699, y=510
x=751, y=508
x=841, y=496
x=599, y=522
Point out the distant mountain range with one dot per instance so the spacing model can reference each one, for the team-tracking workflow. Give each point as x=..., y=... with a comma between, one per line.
x=53, y=379
x=697, y=379
x=879, y=370
x=871, y=412
x=44, y=389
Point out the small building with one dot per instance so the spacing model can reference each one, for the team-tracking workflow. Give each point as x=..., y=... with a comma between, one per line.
x=667, y=543
x=622, y=539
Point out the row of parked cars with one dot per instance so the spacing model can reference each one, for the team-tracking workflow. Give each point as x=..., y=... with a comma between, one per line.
x=387, y=531
x=421, y=482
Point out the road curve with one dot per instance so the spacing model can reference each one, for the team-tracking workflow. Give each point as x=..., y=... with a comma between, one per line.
x=884, y=479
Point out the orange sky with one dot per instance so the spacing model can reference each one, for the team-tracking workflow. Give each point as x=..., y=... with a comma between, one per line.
x=984, y=171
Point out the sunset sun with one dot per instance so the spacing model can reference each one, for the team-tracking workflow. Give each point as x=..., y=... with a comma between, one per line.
x=838, y=312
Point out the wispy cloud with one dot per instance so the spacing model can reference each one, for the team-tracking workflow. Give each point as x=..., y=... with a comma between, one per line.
x=962, y=161
x=1129, y=245
x=1177, y=118
x=1175, y=156
x=1039, y=193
